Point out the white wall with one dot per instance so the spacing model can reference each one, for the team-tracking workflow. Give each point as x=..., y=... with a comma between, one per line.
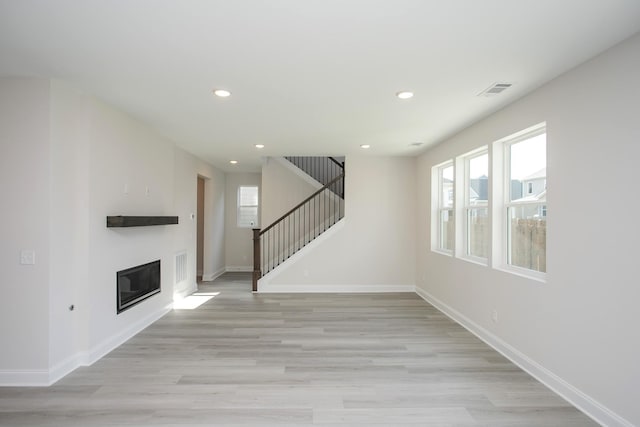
x=238, y=240
x=373, y=248
x=578, y=331
x=69, y=160
x=214, y=225
x=187, y=170
x=24, y=191
x=69, y=227
x=282, y=189
x=124, y=153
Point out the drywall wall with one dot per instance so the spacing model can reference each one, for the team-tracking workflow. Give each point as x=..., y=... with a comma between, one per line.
x=68, y=161
x=214, y=225
x=24, y=190
x=576, y=331
x=373, y=249
x=69, y=228
x=187, y=170
x=285, y=186
x=282, y=189
x=238, y=240
x=131, y=173
x=185, y=203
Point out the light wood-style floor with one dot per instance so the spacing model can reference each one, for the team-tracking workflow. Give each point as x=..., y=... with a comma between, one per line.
x=296, y=359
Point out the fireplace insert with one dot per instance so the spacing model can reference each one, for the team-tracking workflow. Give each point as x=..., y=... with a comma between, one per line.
x=136, y=284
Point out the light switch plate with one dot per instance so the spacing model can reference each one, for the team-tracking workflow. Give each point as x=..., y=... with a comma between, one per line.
x=27, y=257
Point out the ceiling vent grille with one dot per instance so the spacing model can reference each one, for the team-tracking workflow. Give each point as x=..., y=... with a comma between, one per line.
x=495, y=89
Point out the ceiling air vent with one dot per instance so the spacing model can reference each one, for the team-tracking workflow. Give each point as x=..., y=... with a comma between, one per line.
x=495, y=89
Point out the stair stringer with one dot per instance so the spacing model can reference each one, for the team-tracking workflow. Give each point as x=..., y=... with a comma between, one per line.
x=298, y=172
x=264, y=283
x=296, y=245
x=269, y=282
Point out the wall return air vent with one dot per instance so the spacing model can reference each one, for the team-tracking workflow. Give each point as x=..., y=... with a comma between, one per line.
x=495, y=89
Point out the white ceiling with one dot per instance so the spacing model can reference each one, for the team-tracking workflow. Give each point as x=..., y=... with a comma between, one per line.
x=308, y=77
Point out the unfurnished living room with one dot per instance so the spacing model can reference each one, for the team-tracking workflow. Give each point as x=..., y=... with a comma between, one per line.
x=319, y=212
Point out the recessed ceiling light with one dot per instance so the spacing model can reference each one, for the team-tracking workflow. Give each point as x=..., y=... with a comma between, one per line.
x=405, y=94
x=259, y=145
x=365, y=146
x=222, y=93
x=233, y=162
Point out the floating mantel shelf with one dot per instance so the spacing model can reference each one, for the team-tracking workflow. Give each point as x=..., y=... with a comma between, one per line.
x=139, y=221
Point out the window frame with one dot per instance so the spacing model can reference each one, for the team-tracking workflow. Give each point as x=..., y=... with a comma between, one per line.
x=239, y=206
x=464, y=229
x=502, y=203
x=437, y=207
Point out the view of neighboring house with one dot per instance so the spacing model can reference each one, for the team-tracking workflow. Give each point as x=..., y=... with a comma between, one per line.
x=532, y=188
x=534, y=184
x=72, y=159
x=479, y=188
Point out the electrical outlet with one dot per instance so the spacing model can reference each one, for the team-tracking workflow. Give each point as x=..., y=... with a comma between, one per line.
x=494, y=316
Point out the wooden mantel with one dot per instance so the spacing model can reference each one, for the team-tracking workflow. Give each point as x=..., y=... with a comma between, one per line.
x=139, y=221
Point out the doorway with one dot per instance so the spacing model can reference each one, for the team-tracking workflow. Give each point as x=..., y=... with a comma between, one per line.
x=200, y=230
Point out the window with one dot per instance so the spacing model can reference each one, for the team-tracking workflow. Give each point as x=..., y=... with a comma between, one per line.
x=248, y=206
x=507, y=230
x=526, y=214
x=443, y=227
x=476, y=205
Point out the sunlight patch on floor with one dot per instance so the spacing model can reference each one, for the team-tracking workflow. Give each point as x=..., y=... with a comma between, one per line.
x=194, y=300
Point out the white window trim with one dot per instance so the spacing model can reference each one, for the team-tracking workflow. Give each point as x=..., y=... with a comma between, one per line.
x=462, y=213
x=436, y=207
x=500, y=202
x=238, y=206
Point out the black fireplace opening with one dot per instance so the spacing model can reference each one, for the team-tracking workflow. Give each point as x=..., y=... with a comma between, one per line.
x=136, y=284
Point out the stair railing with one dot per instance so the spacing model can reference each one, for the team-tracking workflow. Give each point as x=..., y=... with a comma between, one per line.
x=322, y=169
x=296, y=228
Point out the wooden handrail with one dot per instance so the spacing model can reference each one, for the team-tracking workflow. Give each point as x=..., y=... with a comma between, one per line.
x=329, y=184
x=292, y=231
x=337, y=163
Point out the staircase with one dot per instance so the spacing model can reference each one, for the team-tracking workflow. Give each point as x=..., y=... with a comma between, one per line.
x=277, y=242
x=322, y=169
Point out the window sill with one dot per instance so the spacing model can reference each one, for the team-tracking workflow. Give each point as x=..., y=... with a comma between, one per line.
x=523, y=272
x=443, y=252
x=475, y=260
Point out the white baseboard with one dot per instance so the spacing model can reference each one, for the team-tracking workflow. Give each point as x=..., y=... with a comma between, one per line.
x=183, y=293
x=111, y=343
x=29, y=378
x=265, y=281
x=339, y=289
x=239, y=268
x=592, y=408
x=209, y=277
x=67, y=366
